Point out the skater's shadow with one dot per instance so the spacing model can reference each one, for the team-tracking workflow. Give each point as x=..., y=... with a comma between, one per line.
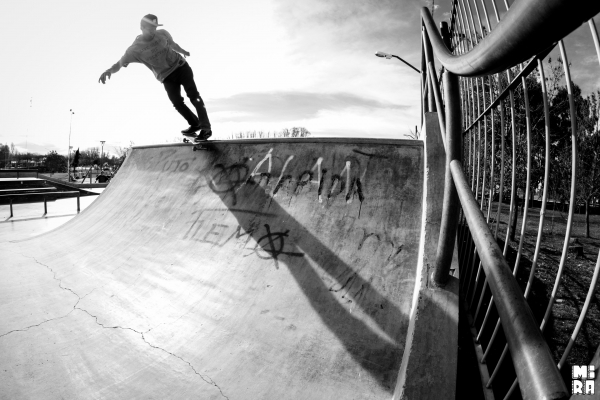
x=377, y=348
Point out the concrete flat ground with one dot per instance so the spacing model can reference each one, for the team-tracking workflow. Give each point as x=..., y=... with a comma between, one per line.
x=255, y=270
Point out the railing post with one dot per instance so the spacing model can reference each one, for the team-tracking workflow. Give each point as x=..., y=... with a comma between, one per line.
x=428, y=59
x=78, y=206
x=443, y=261
x=45, y=206
x=424, y=90
x=11, y=207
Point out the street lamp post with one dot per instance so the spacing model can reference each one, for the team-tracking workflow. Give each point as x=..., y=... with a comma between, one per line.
x=69, y=152
x=102, y=154
x=389, y=56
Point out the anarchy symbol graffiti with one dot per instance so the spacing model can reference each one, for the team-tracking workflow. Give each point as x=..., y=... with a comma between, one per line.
x=270, y=246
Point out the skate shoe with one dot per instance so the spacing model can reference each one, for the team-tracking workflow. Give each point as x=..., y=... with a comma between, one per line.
x=191, y=131
x=203, y=135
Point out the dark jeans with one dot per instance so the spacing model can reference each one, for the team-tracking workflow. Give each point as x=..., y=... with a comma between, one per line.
x=184, y=76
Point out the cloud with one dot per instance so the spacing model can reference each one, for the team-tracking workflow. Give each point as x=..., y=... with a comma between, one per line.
x=290, y=106
x=323, y=114
x=350, y=24
x=44, y=148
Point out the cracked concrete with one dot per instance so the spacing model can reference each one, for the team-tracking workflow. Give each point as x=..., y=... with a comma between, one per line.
x=205, y=378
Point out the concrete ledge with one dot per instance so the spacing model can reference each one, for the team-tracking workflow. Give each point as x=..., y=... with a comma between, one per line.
x=71, y=185
x=428, y=369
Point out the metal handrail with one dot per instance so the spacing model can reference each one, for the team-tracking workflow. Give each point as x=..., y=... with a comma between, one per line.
x=528, y=28
x=536, y=370
x=53, y=194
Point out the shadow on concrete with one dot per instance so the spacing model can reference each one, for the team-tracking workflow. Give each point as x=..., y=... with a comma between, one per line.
x=254, y=209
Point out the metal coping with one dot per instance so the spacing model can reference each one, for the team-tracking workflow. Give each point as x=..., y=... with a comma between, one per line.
x=394, y=142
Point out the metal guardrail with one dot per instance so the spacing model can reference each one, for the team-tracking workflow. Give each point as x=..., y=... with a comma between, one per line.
x=44, y=199
x=528, y=28
x=16, y=172
x=480, y=80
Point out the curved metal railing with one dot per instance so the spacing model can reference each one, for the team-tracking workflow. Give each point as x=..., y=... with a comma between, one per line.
x=527, y=29
x=486, y=69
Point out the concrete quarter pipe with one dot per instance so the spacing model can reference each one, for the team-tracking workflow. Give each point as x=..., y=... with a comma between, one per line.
x=260, y=270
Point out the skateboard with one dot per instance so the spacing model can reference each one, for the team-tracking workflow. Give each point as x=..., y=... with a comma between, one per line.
x=198, y=145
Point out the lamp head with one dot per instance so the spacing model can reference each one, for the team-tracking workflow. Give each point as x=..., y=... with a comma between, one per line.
x=382, y=54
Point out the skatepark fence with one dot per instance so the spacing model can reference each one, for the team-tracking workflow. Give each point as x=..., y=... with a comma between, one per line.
x=486, y=59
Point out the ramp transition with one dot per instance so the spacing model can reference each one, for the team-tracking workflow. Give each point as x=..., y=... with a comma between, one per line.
x=258, y=270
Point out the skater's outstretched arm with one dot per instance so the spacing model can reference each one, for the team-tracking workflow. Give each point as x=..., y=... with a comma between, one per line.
x=178, y=49
x=106, y=74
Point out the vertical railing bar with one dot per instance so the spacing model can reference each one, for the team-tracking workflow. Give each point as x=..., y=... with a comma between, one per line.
x=512, y=203
x=471, y=244
x=478, y=18
x=439, y=105
x=538, y=242
x=479, y=152
x=451, y=202
x=496, y=10
x=489, y=347
x=473, y=182
x=453, y=17
x=470, y=175
x=573, y=184
x=498, y=364
x=500, y=202
x=479, y=149
x=513, y=186
x=430, y=78
x=453, y=33
x=465, y=22
x=11, y=207
x=470, y=14
x=511, y=390
x=502, y=157
x=461, y=41
x=425, y=92
x=466, y=245
x=469, y=91
x=464, y=81
x=525, y=215
x=423, y=81
x=491, y=193
x=583, y=314
x=478, y=144
x=487, y=16
x=484, y=287
x=595, y=36
x=528, y=175
x=485, y=160
x=474, y=255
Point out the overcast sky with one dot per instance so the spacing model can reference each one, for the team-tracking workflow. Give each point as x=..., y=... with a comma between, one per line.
x=259, y=65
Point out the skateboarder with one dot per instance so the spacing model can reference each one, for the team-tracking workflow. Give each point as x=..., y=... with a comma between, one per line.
x=157, y=51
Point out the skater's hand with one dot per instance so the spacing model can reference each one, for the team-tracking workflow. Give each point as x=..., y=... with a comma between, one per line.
x=186, y=53
x=105, y=74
